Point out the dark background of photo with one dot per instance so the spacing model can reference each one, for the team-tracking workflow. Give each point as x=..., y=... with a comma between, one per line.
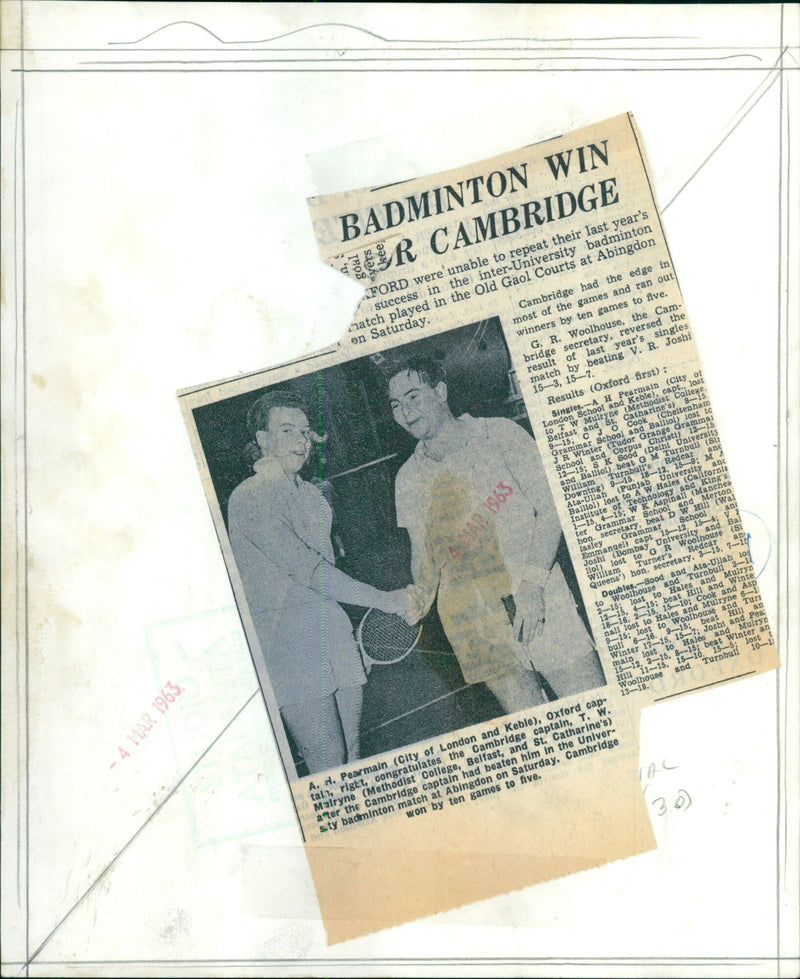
x=423, y=696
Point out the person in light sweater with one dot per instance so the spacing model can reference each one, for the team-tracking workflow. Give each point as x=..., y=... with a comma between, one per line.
x=484, y=533
x=279, y=527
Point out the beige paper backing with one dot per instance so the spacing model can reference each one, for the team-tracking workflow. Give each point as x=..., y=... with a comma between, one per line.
x=394, y=871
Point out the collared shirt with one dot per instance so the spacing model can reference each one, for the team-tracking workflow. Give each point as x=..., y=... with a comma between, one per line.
x=471, y=517
x=437, y=499
x=279, y=527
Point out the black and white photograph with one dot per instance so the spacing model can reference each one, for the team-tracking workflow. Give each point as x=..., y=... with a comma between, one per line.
x=398, y=545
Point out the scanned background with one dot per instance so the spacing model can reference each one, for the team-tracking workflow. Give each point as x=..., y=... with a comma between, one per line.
x=156, y=236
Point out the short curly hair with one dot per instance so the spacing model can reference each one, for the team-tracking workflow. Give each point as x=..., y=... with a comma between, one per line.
x=258, y=414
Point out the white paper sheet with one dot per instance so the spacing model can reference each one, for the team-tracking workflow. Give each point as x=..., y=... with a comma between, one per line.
x=156, y=236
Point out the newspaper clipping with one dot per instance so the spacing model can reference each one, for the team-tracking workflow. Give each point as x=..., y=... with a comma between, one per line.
x=472, y=541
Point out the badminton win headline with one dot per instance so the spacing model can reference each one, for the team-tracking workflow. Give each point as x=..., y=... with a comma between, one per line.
x=498, y=184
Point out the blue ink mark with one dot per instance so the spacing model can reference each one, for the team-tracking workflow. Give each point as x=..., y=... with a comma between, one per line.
x=752, y=542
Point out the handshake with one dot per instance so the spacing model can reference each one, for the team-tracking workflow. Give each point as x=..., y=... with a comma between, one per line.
x=404, y=602
x=331, y=583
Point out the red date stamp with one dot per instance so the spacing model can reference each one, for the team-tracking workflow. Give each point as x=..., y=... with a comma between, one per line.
x=478, y=522
x=136, y=735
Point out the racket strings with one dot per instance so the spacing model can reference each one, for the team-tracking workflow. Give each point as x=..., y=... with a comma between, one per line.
x=386, y=637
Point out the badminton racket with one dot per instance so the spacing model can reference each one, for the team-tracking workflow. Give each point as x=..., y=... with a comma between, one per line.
x=386, y=638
